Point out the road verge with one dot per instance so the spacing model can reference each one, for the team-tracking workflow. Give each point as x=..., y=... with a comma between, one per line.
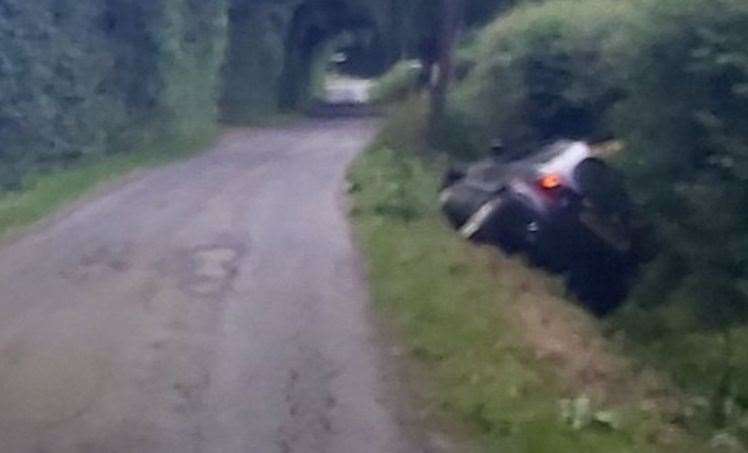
x=46, y=193
x=506, y=353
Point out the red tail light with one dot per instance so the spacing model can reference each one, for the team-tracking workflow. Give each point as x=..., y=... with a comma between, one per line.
x=550, y=182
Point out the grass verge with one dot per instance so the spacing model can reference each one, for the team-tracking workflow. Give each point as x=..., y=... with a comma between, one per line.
x=47, y=192
x=528, y=370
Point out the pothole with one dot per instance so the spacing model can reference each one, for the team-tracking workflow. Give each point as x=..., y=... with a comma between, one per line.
x=215, y=263
x=212, y=269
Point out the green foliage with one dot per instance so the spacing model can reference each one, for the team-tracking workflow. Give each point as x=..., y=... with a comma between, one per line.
x=457, y=137
x=52, y=61
x=91, y=77
x=398, y=83
x=255, y=58
x=276, y=45
x=407, y=125
x=191, y=38
x=542, y=74
x=455, y=307
x=685, y=118
x=417, y=23
x=669, y=78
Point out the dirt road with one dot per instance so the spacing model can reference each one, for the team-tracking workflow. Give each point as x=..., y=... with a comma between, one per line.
x=215, y=305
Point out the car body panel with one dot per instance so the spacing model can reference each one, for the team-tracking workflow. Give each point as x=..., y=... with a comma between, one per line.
x=519, y=177
x=560, y=225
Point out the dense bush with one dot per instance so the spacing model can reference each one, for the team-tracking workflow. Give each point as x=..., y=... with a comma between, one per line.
x=52, y=64
x=685, y=119
x=84, y=77
x=669, y=78
x=191, y=39
x=87, y=77
x=398, y=83
x=255, y=58
x=542, y=74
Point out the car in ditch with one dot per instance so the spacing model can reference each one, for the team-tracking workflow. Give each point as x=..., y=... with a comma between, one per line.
x=563, y=206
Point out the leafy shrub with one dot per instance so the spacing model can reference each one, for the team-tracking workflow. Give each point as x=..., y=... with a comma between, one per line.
x=457, y=137
x=53, y=61
x=398, y=83
x=191, y=38
x=466, y=55
x=669, y=78
x=255, y=58
x=87, y=77
x=542, y=74
x=406, y=126
x=685, y=118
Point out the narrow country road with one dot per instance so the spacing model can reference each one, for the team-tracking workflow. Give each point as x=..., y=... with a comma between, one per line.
x=214, y=305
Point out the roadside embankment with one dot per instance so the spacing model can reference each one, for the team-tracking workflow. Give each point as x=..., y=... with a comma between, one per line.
x=504, y=350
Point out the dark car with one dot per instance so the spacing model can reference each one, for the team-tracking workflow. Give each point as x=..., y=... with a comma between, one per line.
x=563, y=206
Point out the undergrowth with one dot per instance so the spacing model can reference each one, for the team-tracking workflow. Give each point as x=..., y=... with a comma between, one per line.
x=469, y=315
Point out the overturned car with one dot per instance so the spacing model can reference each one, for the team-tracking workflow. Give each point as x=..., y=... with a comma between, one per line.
x=563, y=206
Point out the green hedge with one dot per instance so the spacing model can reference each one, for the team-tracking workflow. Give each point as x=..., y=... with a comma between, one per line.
x=255, y=58
x=89, y=77
x=670, y=79
x=398, y=83
x=52, y=63
x=84, y=77
x=541, y=72
x=685, y=119
x=192, y=39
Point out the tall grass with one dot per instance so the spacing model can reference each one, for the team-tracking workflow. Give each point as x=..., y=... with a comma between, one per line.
x=668, y=78
x=457, y=308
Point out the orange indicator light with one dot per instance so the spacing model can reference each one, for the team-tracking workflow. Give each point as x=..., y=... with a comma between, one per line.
x=550, y=182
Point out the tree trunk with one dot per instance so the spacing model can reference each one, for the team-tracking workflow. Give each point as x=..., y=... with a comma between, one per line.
x=449, y=29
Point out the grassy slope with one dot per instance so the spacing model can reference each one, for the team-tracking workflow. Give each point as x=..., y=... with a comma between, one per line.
x=530, y=371
x=50, y=191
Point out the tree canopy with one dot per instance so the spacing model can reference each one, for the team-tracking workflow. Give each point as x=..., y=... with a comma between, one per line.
x=89, y=77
